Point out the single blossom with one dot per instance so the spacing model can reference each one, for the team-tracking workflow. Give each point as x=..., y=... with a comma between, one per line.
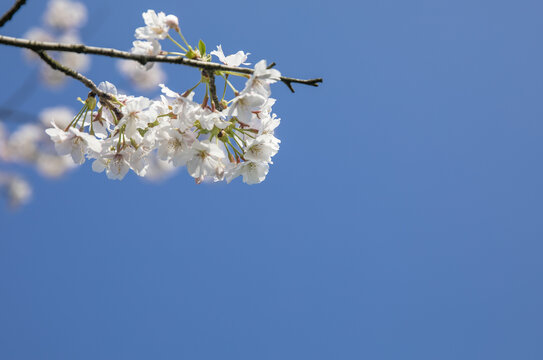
x=236, y=59
x=73, y=142
x=263, y=148
x=253, y=172
x=205, y=159
x=243, y=106
x=157, y=26
x=115, y=162
x=147, y=48
x=261, y=79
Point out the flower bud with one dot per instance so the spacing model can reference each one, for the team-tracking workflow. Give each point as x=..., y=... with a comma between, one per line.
x=172, y=22
x=91, y=102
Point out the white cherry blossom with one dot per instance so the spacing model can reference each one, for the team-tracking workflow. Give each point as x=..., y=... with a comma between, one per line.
x=261, y=79
x=236, y=59
x=262, y=148
x=205, y=159
x=251, y=171
x=243, y=106
x=73, y=142
x=174, y=144
x=135, y=116
x=157, y=26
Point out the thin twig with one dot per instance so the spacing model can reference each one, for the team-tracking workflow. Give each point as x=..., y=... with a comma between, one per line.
x=104, y=97
x=9, y=14
x=142, y=59
x=72, y=73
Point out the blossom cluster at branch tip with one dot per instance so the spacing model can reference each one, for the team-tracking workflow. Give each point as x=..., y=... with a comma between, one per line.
x=216, y=139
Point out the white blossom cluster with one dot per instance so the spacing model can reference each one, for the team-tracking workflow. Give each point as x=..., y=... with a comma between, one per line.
x=62, y=19
x=216, y=139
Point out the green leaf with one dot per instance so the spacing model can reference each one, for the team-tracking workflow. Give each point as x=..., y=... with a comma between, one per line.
x=202, y=47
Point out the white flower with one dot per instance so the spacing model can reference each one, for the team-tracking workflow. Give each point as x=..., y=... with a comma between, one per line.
x=108, y=87
x=243, y=106
x=252, y=172
x=262, y=148
x=173, y=144
x=73, y=142
x=157, y=26
x=236, y=59
x=65, y=14
x=139, y=162
x=208, y=119
x=269, y=124
x=182, y=107
x=135, y=116
x=146, y=48
x=173, y=22
x=205, y=159
x=261, y=79
x=115, y=163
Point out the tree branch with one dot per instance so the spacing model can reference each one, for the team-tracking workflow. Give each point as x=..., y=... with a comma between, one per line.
x=9, y=14
x=72, y=73
x=213, y=90
x=104, y=97
x=142, y=59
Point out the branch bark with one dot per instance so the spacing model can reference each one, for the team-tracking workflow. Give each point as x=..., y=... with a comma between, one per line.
x=9, y=14
x=142, y=59
x=72, y=73
x=104, y=97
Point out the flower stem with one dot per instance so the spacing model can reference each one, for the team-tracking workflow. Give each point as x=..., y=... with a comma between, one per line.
x=178, y=44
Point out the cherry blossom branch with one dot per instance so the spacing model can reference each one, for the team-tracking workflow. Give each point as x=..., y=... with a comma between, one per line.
x=72, y=73
x=9, y=14
x=142, y=59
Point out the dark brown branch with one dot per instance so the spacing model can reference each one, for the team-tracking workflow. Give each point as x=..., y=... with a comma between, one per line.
x=72, y=73
x=104, y=97
x=9, y=14
x=213, y=90
x=142, y=59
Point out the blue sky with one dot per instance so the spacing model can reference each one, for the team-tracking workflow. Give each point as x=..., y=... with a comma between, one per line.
x=401, y=219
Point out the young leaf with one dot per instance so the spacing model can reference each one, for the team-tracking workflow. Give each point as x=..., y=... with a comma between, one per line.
x=202, y=47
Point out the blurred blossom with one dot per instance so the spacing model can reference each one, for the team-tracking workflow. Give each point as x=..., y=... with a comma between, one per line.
x=65, y=14
x=16, y=190
x=140, y=77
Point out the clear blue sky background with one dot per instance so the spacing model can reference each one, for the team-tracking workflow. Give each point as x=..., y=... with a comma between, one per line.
x=402, y=218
